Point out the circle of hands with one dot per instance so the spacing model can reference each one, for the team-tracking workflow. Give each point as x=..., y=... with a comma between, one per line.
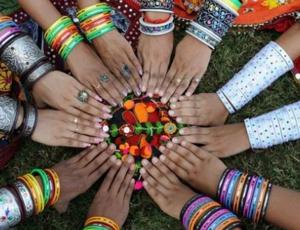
x=107, y=73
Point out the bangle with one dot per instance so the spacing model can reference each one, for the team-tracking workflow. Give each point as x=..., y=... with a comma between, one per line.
x=56, y=186
x=156, y=29
x=93, y=10
x=165, y=6
x=29, y=121
x=69, y=45
x=26, y=198
x=38, y=73
x=8, y=114
x=18, y=200
x=147, y=19
x=102, y=220
x=45, y=181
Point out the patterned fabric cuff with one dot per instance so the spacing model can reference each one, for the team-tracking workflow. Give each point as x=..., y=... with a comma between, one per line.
x=276, y=127
x=225, y=101
x=262, y=70
x=157, y=6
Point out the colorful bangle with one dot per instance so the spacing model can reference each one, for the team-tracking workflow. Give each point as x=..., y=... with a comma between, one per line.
x=147, y=19
x=93, y=10
x=69, y=45
x=26, y=198
x=102, y=220
x=56, y=183
x=45, y=182
x=165, y=6
x=156, y=29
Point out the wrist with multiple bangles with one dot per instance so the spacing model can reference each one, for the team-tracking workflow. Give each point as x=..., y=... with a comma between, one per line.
x=213, y=21
x=157, y=26
x=100, y=223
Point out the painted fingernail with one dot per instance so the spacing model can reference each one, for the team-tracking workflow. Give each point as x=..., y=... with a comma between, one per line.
x=113, y=158
x=175, y=140
x=97, y=119
x=144, y=89
x=162, y=148
x=112, y=146
x=118, y=163
x=154, y=160
x=164, y=100
x=145, y=184
x=142, y=171
x=162, y=157
x=98, y=98
x=106, y=109
x=156, y=91
x=169, y=145
x=85, y=145
x=171, y=113
x=173, y=106
x=160, y=93
x=103, y=145
x=181, y=131
x=98, y=126
x=179, y=119
x=125, y=93
x=145, y=162
x=98, y=140
x=107, y=116
x=138, y=92
x=150, y=94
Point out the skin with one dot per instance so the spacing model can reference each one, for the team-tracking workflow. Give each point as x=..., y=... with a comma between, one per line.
x=83, y=62
x=56, y=128
x=222, y=141
x=203, y=171
x=154, y=53
x=115, y=51
x=47, y=91
x=112, y=199
x=85, y=168
x=188, y=67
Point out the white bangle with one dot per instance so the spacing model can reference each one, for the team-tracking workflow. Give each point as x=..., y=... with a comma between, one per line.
x=156, y=29
x=259, y=73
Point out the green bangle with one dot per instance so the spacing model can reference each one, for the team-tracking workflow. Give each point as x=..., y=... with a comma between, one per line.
x=237, y=3
x=98, y=33
x=90, y=13
x=66, y=52
x=95, y=227
x=52, y=34
x=45, y=181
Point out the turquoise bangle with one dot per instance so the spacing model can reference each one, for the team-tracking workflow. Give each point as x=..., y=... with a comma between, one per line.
x=45, y=182
x=100, y=32
x=95, y=227
x=66, y=52
x=83, y=16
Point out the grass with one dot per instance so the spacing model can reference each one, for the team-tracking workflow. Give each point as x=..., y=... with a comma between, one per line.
x=280, y=163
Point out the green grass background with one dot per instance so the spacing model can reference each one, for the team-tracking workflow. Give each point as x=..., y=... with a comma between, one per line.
x=280, y=164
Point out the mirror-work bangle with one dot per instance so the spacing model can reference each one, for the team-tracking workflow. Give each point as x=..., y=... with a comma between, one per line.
x=157, y=6
x=8, y=114
x=156, y=29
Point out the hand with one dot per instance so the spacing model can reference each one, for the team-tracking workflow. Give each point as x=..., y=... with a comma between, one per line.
x=112, y=199
x=188, y=67
x=51, y=90
x=115, y=51
x=194, y=165
x=222, y=141
x=154, y=53
x=91, y=72
x=56, y=128
x=204, y=109
x=79, y=173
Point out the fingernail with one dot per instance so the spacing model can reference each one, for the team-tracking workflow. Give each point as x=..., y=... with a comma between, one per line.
x=179, y=119
x=132, y=167
x=98, y=126
x=141, y=72
x=169, y=145
x=97, y=119
x=150, y=94
x=98, y=140
x=98, y=98
x=173, y=99
x=112, y=146
x=145, y=184
x=85, y=145
x=162, y=157
x=173, y=106
x=118, y=163
x=103, y=145
x=107, y=116
x=114, y=104
x=175, y=140
x=102, y=134
x=107, y=109
x=181, y=131
x=125, y=93
x=154, y=160
x=113, y=158
x=142, y=171
x=171, y=113
x=164, y=100
x=183, y=143
x=156, y=91
x=162, y=148
x=160, y=93
x=181, y=98
x=188, y=94
x=129, y=90
x=138, y=92
x=145, y=162
x=144, y=89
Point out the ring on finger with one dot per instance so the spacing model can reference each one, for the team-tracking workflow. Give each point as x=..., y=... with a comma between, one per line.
x=83, y=96
x=125, y=71
x=75, y=120
x=103, y=78
x=178, y=80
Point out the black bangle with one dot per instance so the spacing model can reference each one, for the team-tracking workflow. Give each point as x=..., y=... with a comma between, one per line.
x=243, y=198
x=266, y=202
x=206, y=215
x=221, y=182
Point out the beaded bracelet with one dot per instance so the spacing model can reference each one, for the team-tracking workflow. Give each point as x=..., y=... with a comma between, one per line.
x=276, y=127
x=95, y=21
x=165, y=6
x=201, y=212
x=250, y=194
x=157, y=29
x=102, y=221
x=259, y=73
x=63, y=36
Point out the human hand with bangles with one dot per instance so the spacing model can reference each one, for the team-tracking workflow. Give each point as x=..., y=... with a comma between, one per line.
x=114, y=50
x=154, y=53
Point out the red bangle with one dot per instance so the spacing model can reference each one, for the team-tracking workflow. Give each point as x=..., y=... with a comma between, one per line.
x=93, y=19
x=155, y=21
x=63, y=37
x=96, y=23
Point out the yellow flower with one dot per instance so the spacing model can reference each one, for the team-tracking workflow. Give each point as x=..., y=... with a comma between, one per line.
x=5, y=78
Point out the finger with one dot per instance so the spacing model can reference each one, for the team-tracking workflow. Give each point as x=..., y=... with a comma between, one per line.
x=175, y=83
x=186, y=112
x=196, y=139
x=193, y=86
x=77, y=119
x=78, y=157
x=197, y=151
x=140, y=57
x=110, y=176
x=180, y=89
x=129, y=192
x=92, y=110
x=153, y=192
x=153, y=182
x=185, y=153
x=89, y=156
x=154, y=75
x=119, y=76
x=178, y=170
x=114, y=89
x=100, y=158
x=102, y=169
x=167, y=81
x=80, y=87
x=82, y=138
x=182, y=105
x=166, y=171
x=193, y=130
x=85, y=130
x=176, y=158
x=126, y=182
x=135, y=61
x=105, y=95
x=132, y=77
x=67, y=142
x=121, y=175
x=146, y=76
x=191, y=120
x=82, y=116
x=162, y=75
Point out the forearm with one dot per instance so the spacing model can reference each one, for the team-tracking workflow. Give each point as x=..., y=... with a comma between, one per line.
x=85, y=3
x=283, y=209
x=37, y=10
x=289, y=41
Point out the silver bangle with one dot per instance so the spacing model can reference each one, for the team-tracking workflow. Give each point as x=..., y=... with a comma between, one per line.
x=9, y=209
x=37, y=74
x=22, y=55
x=30, y=120
x=8, y=114
x=25, y=197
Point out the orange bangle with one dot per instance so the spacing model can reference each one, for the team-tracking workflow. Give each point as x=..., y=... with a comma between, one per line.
x=56, y=185
x=92, y=25
x=102, y=220
x=261, y=201
x=238, y=194
x=95, y=18
x=227, y=223
x=32, y=193
x=38, y=190
x=156, y=21
x=5, y=18
x=201, y=212
x=57, y=43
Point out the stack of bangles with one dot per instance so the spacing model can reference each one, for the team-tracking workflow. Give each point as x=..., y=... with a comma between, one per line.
x=63, y=36
x=95, y=21
x=29, y=195
x=159, y=26
x=21, y=55
x=244, y=194
x=213, y=21
x=201, y=212
x=100, y=223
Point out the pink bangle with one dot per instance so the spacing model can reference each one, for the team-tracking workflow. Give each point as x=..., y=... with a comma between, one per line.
x=7, y=32
x=225, y=186
x=213, y=217
x=249, y=195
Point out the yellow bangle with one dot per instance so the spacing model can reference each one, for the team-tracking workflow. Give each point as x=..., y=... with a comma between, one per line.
x=38, y=190
x=55, y=24
x=231, y=5
x=102, y=220
x=90, y=8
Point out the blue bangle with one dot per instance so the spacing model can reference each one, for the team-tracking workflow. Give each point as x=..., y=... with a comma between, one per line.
x=255, y=198
x=231, y=189
x=7, y=24
x=220, y=220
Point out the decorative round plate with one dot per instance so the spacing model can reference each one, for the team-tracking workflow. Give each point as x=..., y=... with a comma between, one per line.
x=139, y=128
